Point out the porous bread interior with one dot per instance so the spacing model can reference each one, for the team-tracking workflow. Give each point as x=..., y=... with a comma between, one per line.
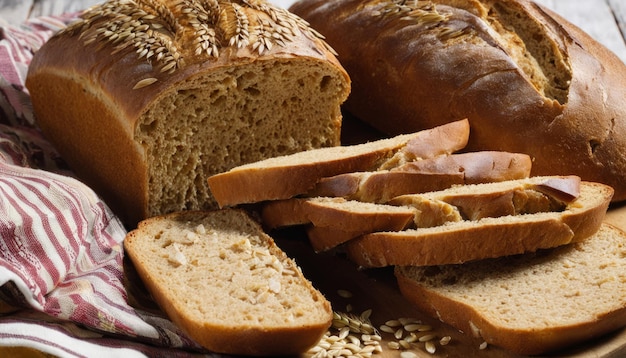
x=249, y=112
x=219, y=269
x=559, y=287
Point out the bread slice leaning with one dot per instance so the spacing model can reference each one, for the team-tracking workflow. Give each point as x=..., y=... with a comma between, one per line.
x=290, y=175
x=429, y=174
x=533, y=303
x=221, y=279
x=488, y=237
x=333, y=221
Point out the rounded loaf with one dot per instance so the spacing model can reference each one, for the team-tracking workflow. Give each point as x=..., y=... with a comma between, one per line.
x=146, y=99
x=527, y=80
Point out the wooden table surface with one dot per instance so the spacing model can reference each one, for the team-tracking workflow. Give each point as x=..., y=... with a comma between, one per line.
x=604, y=20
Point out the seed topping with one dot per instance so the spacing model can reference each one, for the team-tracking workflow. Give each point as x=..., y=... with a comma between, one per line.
x=163, y=33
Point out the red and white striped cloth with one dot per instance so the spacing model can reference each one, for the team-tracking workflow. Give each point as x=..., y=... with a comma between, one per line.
x=61, y=252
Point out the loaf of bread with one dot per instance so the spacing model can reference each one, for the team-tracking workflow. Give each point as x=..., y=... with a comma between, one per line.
x=529, y=304
x=287, y=176
x=528, y=81
x=220, y=278
x=521, y=221
x=147, y=99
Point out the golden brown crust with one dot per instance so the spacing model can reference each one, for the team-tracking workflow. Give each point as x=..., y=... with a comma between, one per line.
x=286, y=177
x=429, y=174
x=476, y=167
x=487, y=238
x=218, y=336
x=92, y=83
x=410, y=75
x=337, y=213
x=289, y=176
x=83, y=50
x=536, y=336
x=382, y=186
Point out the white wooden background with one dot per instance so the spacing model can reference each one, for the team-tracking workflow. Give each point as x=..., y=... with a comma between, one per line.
x=605, y=20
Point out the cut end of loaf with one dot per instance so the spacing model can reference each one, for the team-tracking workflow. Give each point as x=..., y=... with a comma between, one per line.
x=221, y=279
x=159, y=95
x=234, y=116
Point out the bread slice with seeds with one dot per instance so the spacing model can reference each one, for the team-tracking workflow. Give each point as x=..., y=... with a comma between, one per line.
x=287, y=176
x=533, y=303
x=147, y=99
x=220, y=278
x=480, y=236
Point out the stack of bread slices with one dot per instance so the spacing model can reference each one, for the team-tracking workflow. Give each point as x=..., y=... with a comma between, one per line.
x=525, y=262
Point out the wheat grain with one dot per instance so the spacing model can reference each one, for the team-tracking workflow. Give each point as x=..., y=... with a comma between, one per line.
x=155, y=30
x=145, y=82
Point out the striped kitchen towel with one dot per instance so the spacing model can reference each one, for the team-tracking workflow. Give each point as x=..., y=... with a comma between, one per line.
x=62, y=288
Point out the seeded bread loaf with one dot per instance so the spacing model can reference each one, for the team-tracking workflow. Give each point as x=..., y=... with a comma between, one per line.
x=287, y=176
x=529, y=304
x=223, y=281
x=147, y=99
x=527, y=80
x=430, y=174
x=488, y=237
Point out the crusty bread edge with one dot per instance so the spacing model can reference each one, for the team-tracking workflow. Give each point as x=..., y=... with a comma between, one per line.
x=527, y=342
x=272, y=179
x=236, y=339
x=486, y=239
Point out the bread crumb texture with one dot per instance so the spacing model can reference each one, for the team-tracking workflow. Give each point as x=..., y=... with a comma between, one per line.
x=235, y=122
x=217, y=268
x=564, y=287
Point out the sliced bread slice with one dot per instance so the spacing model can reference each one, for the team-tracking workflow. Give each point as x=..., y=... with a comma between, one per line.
x=291, y=175
x=467, y=240
x=533, y=303
x=220, y=278
x=333, y=221
x=337, y=213
x=477, y=167
x=511, y=197
x=429, y=174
